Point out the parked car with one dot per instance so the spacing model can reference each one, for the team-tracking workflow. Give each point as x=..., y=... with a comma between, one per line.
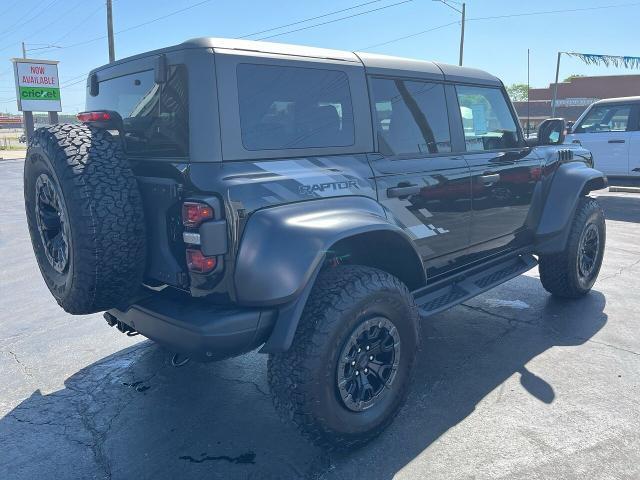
x=610, y=129
x=224, y=195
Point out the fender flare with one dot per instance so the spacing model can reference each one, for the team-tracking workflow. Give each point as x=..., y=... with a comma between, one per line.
x=570, y=182
x=283, y=249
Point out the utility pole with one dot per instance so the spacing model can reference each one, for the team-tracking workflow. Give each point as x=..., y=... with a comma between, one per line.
x=555, y=88
x=462, y=34
x=463, y=13
x=27, y=117
x=112, y=51
x=528, y=88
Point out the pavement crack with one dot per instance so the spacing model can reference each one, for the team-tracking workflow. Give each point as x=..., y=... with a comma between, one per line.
x=243, y=382
x=620, y=271
x=512, y=321
x=245, y=458
x=23, y=366
x=615, y=347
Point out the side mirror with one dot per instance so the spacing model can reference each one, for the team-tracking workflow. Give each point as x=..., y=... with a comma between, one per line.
x=569, y=127
x=551, y=131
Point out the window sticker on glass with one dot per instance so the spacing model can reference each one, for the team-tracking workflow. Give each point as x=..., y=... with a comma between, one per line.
x=486, y=119
x=479, y=119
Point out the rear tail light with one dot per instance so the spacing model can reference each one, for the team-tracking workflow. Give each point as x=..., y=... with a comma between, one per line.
x=109, y=119
x=198, y=263
x=89, y=117
x=193, y=213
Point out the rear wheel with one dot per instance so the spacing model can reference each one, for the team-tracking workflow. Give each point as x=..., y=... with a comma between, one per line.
x=348, y=371
x=85, y=217
x=572, y=272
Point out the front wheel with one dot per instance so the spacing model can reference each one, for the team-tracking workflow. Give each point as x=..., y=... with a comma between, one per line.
x=572, y=272
x=348, y=371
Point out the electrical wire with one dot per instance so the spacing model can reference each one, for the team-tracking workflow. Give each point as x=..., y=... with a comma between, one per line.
x=328, y=14
x=409, y=36
x=42, y=10
x=337, y=19
x=512, y=15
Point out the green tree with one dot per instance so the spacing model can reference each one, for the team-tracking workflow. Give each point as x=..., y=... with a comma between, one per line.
x=518, y=92
x=572, y=76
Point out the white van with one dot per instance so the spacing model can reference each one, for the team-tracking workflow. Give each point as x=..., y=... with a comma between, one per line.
x=610, y=129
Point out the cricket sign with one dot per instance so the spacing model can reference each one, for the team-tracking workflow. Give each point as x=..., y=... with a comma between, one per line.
x=37, y=85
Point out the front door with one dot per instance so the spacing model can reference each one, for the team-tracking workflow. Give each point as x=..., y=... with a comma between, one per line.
x=504, y=172
x=605, y=132
x=424, y=186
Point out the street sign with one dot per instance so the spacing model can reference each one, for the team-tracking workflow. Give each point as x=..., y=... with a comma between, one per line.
x=37, y=85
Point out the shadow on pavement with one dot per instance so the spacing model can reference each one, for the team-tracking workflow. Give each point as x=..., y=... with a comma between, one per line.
x=621, y=208
x=132, y=415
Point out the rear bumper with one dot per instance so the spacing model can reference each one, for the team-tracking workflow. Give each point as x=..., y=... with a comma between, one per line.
x=196, y=328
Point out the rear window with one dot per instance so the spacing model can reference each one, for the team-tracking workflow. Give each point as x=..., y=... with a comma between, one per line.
x=155, y=115
x=293, y=107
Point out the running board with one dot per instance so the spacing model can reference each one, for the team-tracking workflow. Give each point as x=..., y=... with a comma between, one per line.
x=445, y=294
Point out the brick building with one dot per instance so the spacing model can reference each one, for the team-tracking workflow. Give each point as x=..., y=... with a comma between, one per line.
x=574, y=96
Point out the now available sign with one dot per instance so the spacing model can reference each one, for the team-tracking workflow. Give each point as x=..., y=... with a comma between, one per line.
x=37, y=86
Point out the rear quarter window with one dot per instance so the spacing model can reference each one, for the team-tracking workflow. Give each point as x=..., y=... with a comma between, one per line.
x=294, y=107
x=155, y=116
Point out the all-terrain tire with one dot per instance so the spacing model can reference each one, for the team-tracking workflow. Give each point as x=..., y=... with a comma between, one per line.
x=560, y=273
x=303, y=380
x=99, y=210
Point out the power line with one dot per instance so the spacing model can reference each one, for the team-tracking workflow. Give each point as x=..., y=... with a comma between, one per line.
x=40, y=12
x=74, y=28
x=133, y=27
x=337, y=19
x=10, y=8
x=547, y=12
x=411, y=35
x=512, y=15
x=310, y=19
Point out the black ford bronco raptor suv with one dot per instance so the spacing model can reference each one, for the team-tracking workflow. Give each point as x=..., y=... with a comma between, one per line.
x=222, y=195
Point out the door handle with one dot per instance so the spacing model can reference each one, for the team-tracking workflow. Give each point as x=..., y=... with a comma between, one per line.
x=403, y=191
x=616, y=141
x=490, y=178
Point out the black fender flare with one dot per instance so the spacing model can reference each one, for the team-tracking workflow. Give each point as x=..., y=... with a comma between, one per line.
x=284, y=247
x=570, y=182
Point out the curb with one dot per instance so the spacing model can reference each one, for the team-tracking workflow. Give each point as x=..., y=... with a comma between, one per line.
x=624, y=189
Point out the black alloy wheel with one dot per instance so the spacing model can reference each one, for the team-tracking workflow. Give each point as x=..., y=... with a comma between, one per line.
x=52, y=222
x=588, y=251
x=368, y=363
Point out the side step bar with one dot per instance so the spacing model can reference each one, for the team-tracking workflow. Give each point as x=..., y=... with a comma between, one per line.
x=445, y=294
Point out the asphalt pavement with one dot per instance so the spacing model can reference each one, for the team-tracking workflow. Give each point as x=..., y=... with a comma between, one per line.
x=513, y=384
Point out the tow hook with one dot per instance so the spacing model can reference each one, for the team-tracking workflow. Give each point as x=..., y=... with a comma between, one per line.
x=112, y=321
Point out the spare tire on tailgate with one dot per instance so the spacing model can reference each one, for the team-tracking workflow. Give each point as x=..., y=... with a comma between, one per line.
x=85, y=217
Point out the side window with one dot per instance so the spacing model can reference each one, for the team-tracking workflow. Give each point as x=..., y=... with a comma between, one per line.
x=294, y=107
x=605, y=118
x=486, y=118
x=411, y=117
x=155, y=117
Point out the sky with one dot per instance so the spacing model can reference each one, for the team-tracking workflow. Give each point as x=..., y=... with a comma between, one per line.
x=77, y=31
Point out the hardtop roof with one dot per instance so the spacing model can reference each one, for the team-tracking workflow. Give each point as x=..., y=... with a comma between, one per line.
x=635, y=99
x=373, y=63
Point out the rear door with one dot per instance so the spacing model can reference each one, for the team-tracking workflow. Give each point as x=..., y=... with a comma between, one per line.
x=504, y=171
x=422, y=181
x=605, y=131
